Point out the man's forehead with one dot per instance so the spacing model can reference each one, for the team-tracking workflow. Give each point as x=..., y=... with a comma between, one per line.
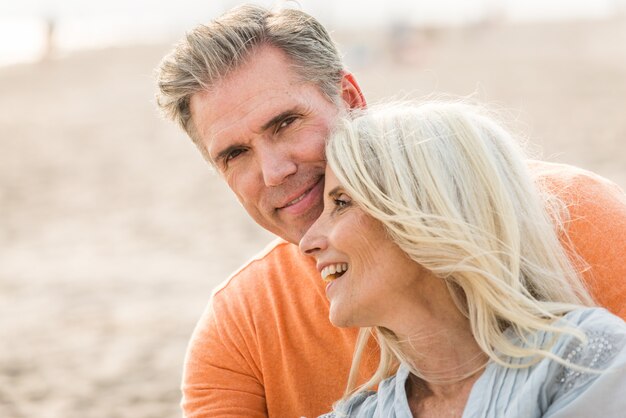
x=221, y=112
x=247, y=98
x=249, y=114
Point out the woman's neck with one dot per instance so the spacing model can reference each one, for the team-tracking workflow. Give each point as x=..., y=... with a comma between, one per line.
x=443, y=357
x=447, y=361
x=435, y=337
x=446, y=400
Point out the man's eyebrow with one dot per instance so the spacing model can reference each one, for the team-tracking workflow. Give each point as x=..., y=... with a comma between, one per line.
x=272, y=122
x=224, y=153
x=277, y=119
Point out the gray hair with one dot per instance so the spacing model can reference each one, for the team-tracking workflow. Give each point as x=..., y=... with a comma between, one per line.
x=209, y=52
x=451, y=187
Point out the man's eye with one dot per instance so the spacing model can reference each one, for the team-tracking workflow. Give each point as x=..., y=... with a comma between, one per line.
x=233, y=154
x=286, y=122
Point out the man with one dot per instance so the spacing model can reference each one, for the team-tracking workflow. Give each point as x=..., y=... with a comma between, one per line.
x=258, y=93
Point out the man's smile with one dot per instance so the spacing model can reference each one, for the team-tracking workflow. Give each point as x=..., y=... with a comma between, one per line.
x=304, y=200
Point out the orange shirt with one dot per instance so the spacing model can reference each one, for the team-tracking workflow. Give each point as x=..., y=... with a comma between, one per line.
x=265, y=347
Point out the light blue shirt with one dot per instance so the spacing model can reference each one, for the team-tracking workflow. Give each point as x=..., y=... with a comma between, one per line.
x=546, y=389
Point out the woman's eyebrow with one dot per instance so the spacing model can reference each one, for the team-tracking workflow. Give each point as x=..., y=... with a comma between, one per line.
x=335, y=191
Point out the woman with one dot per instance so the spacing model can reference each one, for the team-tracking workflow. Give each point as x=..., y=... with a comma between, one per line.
x=434, y=238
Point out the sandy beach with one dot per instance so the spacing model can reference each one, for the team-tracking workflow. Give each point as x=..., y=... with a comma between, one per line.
x=114, y=231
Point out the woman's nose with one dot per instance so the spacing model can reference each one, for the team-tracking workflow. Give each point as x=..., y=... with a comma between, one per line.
x=313, y=240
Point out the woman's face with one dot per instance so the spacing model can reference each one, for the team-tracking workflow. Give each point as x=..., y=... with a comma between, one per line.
x=368, y=275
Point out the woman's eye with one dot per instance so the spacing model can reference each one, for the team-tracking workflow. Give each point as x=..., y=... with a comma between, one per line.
x=342, y=201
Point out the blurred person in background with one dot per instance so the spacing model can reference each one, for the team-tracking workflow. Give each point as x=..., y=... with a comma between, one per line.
x=258, y=92
x=457, y=270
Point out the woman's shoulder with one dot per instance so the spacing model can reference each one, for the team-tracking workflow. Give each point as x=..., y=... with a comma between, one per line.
x=361, y=404
x=603, y=349
x=605, y=345
x=595, y=321
x=389, y=400
x=593, y=375
x=597, y=376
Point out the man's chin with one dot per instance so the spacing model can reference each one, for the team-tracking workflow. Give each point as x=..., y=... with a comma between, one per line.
x=294, y=236
x=293, y=233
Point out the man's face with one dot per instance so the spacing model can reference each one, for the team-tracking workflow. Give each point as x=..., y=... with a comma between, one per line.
x=265, y=130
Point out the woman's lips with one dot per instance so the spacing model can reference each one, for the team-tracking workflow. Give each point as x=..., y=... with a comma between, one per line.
x=333, y=271
x=331, y=282
x=328, y=285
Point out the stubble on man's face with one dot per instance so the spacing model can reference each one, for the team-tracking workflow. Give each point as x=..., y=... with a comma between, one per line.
x=265, y=131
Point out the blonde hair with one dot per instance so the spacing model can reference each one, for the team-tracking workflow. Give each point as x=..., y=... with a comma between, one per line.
x=451, y=187
x=209, y=52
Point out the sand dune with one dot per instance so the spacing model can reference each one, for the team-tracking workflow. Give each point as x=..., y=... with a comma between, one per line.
x=113, y=231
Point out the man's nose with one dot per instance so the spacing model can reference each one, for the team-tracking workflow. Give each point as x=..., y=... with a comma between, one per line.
x=276, y=166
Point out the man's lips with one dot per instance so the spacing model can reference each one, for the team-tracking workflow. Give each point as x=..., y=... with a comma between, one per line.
x=304, y=200
x=297, y=199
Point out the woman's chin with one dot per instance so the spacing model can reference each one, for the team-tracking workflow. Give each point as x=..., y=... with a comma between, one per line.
x=339, y=320
x=352, y=316
x=345, y=319
x=337, y=323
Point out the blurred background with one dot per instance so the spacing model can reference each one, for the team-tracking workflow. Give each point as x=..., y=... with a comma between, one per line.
x=113, y=230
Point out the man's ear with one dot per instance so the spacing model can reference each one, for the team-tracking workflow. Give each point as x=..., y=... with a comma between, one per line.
x=351, y=92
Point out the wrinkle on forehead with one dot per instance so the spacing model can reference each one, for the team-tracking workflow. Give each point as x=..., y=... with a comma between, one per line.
x=236, y=109
x=245, y=118
x=265, y=69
